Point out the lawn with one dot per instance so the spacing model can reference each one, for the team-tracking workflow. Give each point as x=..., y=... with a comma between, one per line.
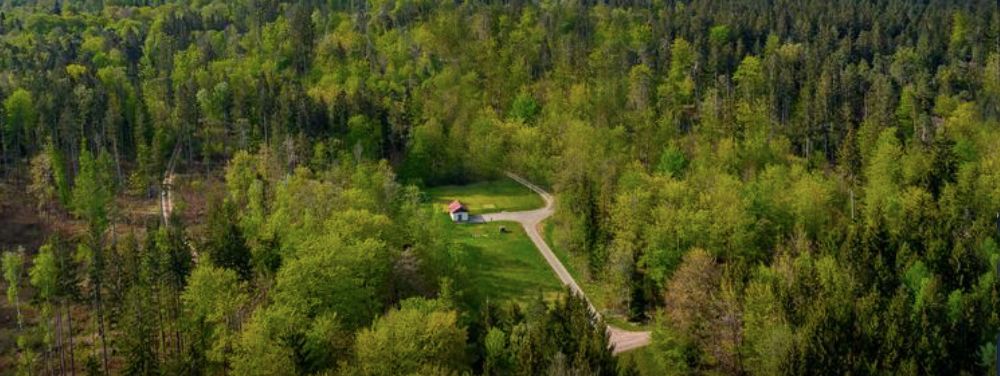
x=487, y=197
x=501, y=266
x=504, y=266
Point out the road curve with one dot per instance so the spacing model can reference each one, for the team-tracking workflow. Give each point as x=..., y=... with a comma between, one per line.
x=621, y=340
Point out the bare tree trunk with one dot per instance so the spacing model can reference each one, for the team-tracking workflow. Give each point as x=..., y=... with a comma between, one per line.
x=159, y=321
x=100, y=325
x=47, y=359
x=118, y=164
x=17, y=310
x=177, y=332
x=852, y=203
x=59, y=342
x=69, y=327
x=104, y=342
x=3, y=149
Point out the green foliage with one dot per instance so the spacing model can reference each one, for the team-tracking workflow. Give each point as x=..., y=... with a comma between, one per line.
x=92, y=194
x=987, y=354
x=562, y=336
x=680, y=76
x=260, y=350
x=673, y=354
x=719, y=34
x=884, y=175
x=839, y=165
x=916, y=276
x=496, y=351
x=333, y=273
x=43, y=187
x=226, y=247
x=672, y=161
x=749, y=78
x=20, y=117
x=524, y=108
x=45, y=273
x=420, y=337
x=12, y=263
x=364, y=137
x=212, y=301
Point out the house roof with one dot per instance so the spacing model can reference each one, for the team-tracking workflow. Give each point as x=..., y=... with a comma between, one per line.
x=455, y=207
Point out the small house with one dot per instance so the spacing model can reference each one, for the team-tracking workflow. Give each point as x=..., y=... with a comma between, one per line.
x=458, y=212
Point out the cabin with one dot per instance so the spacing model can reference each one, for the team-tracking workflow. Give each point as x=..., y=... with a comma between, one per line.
x=458, y=212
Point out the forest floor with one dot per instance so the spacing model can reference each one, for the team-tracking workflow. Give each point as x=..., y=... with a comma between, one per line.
x=22, y=224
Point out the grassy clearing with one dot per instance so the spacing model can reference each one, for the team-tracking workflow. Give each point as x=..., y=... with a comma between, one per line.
x=487, y=197
x=505, y=266
x=501, y=266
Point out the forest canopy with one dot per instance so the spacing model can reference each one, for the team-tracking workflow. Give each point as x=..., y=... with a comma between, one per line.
x=771, y=187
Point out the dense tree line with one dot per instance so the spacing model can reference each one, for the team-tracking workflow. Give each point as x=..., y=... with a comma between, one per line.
x=778, y=186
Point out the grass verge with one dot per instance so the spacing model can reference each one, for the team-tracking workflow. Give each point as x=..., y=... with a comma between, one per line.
x=599, y=293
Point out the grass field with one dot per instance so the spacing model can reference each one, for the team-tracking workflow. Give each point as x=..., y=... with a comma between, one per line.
x=505, y=265
x=487, y=197
x=501, y=266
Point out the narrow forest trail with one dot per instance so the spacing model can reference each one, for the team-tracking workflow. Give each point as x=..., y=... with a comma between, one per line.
x=622, y=340
x=166, y=198
x=166, y=194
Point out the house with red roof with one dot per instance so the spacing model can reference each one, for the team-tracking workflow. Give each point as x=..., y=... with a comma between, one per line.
x=458, y=211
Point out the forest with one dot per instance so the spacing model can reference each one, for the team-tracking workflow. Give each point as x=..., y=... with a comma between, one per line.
x=769, y=186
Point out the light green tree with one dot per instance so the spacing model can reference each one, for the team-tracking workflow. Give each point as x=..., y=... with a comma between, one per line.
x=12, y=267
x=20, y=120
x=44, y=277
x=13, y=264
x=212, y=302
x=92, y=192
x=420, y=337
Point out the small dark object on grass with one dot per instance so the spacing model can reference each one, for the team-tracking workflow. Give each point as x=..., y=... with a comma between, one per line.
x=503, y=230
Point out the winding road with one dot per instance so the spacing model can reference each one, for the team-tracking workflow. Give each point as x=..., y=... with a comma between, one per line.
x=621, y=340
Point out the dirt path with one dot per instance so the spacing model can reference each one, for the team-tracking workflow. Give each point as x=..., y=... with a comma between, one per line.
x=166, y=196
x=622, y=340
